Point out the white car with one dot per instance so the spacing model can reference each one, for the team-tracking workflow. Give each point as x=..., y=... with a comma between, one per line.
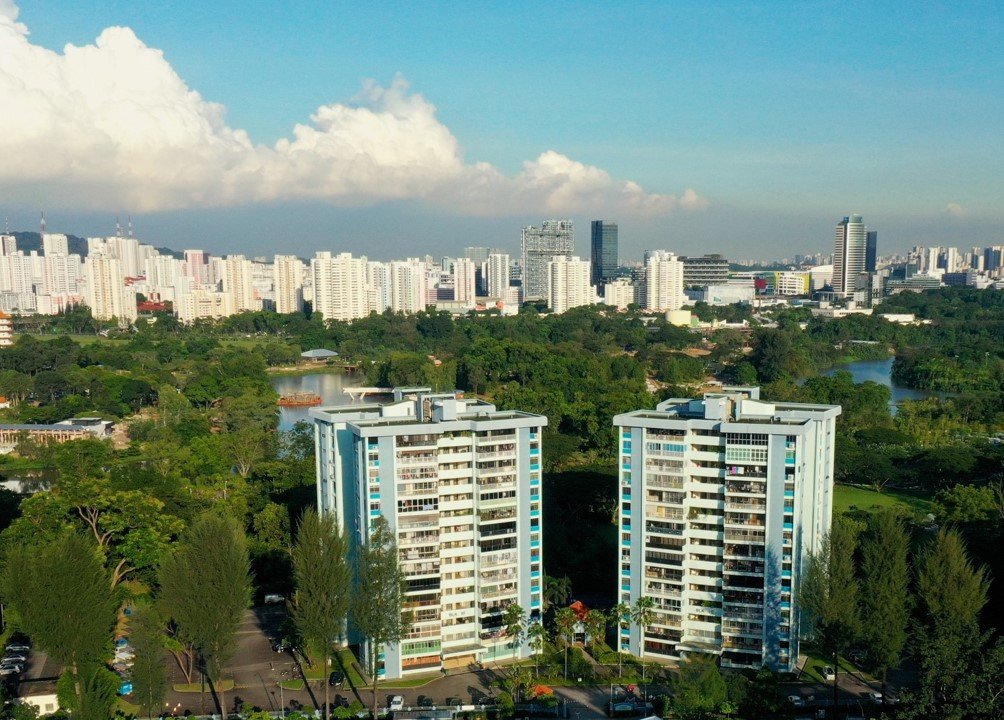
x=796, y=700
x=828, y=674
x=396, y=702
x=10, y=669
x=875, y=697
x=274, y=599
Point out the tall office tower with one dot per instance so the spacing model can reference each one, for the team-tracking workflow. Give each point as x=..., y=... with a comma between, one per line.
x=993, y=258
x=107, y=294
x=849, y=246
x=409, y=286
x=341, y=290
x=55, y=244
x=704, y=270
x=287, y=273
x=237, y=285
x=538, y=246
x=722, y=502
x=604, y=255
x=464, y=285
x=663, y=281
x=496, y=274
x=568, y=283
x=871, y=250
x=8, y=244
x=459, y=484
x=619, y=293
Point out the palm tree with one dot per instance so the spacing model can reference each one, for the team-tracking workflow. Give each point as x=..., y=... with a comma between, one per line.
x=566, y=620
x=514, y=621
x=537, y=636
x=557, y=591
x=642, y=615
x=596, y=623
x=620, y=616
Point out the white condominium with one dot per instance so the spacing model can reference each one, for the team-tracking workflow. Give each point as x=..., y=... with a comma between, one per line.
x=496, y=273
x=849, y=245
x=237, y=284
x=55, y=244
x=663, y=281
x=721, y=502
x=619, y=293
x=8, y=244
x=409, y=285
x=341, y=290
x=288, y=283
x=202, y=304
x=107, y=294
x=459, y=484
x=464, y=281
x=568, y=283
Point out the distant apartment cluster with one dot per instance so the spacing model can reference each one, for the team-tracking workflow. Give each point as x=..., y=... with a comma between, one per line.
x=112, y=272
x=721, y=500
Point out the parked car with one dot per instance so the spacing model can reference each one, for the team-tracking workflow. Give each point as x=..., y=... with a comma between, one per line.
x=15, y=657
x=453, y=702
x=875, y=697
x=17, y=647
x=8, y=669
x=828, y=674
x=424, y=701
x=336, y=678
x=796, y=700
x=274, y=599
x=396, y=702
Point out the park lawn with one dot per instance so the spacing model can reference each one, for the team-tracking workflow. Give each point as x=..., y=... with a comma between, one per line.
x=815, y=663
x=847, y=497
x=221, y=686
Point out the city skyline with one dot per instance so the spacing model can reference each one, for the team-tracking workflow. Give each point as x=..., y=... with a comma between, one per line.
x=450, y=165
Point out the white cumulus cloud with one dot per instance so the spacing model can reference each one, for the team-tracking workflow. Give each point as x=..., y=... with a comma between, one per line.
x=956, y=210
x=112, y=125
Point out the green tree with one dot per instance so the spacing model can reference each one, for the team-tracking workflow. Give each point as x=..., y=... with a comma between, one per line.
x=59, y=593
x=537, y=635
x=323, y=586
x=557, y=590
x=643, y=615
x=830, y=593
x=514, y=623
x=596, y=624
x=698, y=689
x=885, y=591
x=377, y=609
x=565, y=621
x=951, y=592
x=620, y=618
x=205, y=587
x=149, y=677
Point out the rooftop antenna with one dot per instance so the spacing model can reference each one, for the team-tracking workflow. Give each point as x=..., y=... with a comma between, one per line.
x=6, y=225
x=118, y=227
x=130, y=225
x=41, y=223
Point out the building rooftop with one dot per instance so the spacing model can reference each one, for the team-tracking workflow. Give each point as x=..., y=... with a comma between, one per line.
x=734, y=404
x=318, y=354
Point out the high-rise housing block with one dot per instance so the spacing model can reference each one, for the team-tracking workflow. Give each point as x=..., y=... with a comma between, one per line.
x=540, y=245
x=721, y=502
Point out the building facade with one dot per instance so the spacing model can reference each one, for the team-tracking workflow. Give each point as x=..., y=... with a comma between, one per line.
x=849, y=254
x=540, y=245
x=287, y=274
x=459, y=483
x=663, y=281
x=604, y=251
x=704, y=270
x=568, y=284
x=721, y=502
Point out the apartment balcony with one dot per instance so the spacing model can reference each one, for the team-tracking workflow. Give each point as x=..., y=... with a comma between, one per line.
x=744, y=552
x=750, y=536
x=665, y=528
x=499, y=560
x=734, y=505
x=744, y=598
x=666, y=483
x=746, y=487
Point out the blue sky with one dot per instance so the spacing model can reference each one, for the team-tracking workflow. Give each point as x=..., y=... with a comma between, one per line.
x=783, y=118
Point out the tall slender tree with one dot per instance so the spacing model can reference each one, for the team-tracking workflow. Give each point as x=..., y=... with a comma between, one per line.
x=885, y=591
x=566, y=620
x=642, y=615
x=149, y=678
x=323, y=587
x=205, y=587
x=596, y=624
x=620, y=618
x=951, y=592
x=60, y=594
x=830, y=593
x=537, y=635
x=514, y=622
x=377, y=608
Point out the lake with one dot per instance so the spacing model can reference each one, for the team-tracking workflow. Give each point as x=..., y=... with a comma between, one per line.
x=330, y=386
x=880, y=371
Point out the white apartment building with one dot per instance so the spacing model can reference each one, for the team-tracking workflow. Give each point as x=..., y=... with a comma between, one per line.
x=107, y=294
x=126, y=249
x=464, y=281
x=378, y=279
x=459, y=483
x=55, y=244
x=195, y=266
x=619, y=293
x=202, y=303
x=721, y=502
x=663, y=281
x=495, y=271
x=341, y=290
x=238, y=285
x=8, y=244
x=568, y=283
x=288, y=282
x=409, y=285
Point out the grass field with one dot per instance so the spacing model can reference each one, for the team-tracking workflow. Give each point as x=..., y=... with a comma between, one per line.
x=848, y=497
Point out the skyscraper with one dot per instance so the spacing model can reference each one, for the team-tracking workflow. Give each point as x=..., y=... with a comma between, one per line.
x=604, y=255
x=722, y=502
x=459, y=484
x=539, y=245
x=871, y=251
x=341, y=287
x=849, y=251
